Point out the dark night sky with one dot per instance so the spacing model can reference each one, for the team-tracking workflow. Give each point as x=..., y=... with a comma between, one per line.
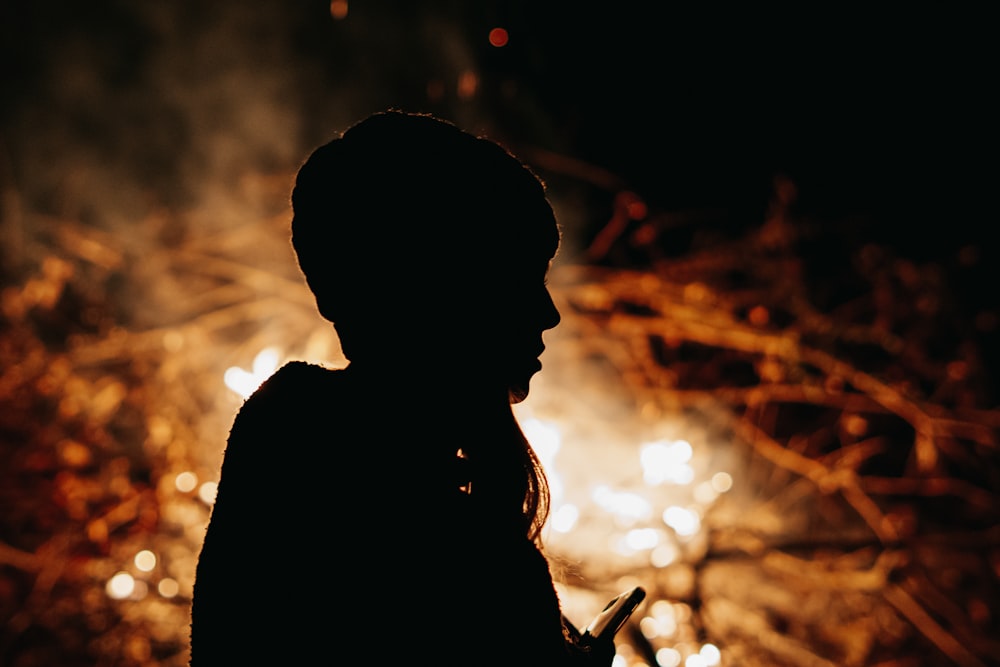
x=885, y=111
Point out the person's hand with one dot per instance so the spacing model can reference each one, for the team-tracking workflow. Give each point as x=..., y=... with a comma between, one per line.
x=588, y=651
x=598, y=652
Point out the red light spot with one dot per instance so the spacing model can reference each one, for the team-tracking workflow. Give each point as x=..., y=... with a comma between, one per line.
x=637, y=209
x=498, y=37
x=338, y=9
x=759, y=316
x=634, y=207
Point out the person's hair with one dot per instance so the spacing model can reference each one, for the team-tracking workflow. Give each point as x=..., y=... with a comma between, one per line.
x=536, y=495
x=396, y=210
x=405, y=203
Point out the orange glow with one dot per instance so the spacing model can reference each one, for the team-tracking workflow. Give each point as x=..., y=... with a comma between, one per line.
x=684, y=521
x=338, y=9
x=186, y=481
x=668, y=657
x=759, y=316
x=244, y=382
x=635, y=207
x=660, y=620
x=145, y=560
x=120, y=586
x=855, y=425
x=666, y=462
x=207, y=491
x=711, y=654
x=722, y=481
x=564, y=518
x=957, y=370
x=467, y=84
x=168, y=587
x=664, y=554
x=499, y=37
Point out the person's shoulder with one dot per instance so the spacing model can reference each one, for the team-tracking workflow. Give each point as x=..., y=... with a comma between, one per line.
x=296, y=375
x=294, y=386
x=295, y=401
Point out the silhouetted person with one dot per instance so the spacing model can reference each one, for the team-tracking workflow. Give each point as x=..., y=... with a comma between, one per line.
x=391, y=510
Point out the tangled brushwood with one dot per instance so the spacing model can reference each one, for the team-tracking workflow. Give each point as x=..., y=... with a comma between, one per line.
x=851, y=378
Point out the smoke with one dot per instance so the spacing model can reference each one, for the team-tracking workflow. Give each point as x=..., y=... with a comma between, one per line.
x=165, y=131
x=113, y=109
x=149, y=105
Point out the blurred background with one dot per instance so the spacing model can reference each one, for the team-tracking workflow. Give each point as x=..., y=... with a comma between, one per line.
x=772, y=400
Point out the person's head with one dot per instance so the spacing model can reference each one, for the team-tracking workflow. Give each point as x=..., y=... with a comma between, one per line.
x=427, y=246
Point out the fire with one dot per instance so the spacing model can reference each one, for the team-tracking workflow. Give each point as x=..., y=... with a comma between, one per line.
x=643, y=505
x=667, y=462
x=245, y=382
x=681, y=419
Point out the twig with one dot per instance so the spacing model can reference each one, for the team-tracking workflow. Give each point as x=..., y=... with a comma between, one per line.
x=22, y=560
x=930, y=628
x=930, y=487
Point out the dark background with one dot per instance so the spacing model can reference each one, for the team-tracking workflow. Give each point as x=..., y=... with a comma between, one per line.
x=141, y=143
x=882, y=118
x=885, y=110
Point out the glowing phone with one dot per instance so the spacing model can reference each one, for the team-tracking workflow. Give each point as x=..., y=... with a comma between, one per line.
x=610, y=620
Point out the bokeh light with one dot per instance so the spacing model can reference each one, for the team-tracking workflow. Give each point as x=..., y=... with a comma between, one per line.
x=145, y=560
x=499, y=37
x=120, y=586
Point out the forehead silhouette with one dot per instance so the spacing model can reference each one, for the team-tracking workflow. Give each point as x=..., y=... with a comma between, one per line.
x=415, y=195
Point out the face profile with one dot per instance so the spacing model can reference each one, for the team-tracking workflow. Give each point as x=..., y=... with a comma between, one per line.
x=427, y=248
x=422, y=241
x=521, y=347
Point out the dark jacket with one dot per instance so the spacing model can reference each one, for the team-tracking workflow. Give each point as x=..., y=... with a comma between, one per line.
x=338, y=532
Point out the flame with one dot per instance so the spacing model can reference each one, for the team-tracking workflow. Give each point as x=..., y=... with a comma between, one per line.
x=245, y=382
x=645, y=499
